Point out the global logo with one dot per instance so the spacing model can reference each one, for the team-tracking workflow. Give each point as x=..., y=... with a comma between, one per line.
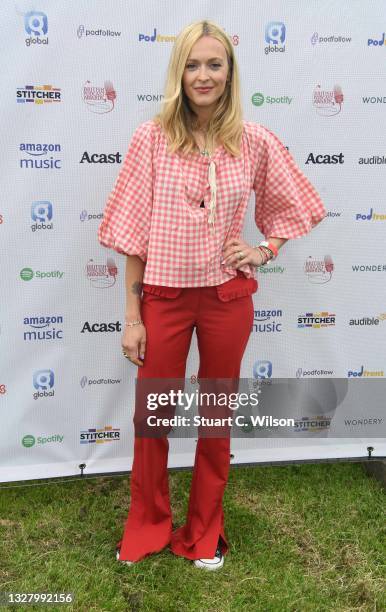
x=262, y=369
x=319, y=271
x=327, y=103
x=39, y=156
x=99, y=100
x=377, y=42
x=265, y=321
x=85, y=216
x=102, y=276
x=43, y=381
x=36, y=26
x=38, y=94
x=41, y=213
x=275, y=34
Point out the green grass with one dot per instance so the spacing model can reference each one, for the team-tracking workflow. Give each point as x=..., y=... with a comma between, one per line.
x=302, y=538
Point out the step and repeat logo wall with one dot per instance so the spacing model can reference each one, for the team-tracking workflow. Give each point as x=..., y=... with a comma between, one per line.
x=77, y=81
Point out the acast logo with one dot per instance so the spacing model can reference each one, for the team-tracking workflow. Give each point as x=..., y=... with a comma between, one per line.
x=336, y=158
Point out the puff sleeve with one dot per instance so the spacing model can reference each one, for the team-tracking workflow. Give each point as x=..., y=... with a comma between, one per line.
x=286, y=204
x=127, y=215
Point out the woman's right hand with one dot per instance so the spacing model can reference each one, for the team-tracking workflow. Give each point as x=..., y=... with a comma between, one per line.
x=134, y=343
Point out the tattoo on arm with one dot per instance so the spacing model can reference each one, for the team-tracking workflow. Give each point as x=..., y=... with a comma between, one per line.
x=137, y=288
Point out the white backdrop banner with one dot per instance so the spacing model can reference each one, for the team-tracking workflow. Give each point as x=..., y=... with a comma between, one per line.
x=78, y=78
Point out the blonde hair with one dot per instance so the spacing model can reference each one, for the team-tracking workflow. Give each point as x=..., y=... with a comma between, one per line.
x=176, y=117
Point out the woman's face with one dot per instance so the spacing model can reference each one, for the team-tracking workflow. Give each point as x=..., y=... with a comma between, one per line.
x=206, y=67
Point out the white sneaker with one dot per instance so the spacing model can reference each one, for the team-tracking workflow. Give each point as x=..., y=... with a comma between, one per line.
x=127, y=562
x=211, y=564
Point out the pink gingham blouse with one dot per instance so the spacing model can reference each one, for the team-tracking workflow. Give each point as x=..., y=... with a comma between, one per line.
x=155, y=208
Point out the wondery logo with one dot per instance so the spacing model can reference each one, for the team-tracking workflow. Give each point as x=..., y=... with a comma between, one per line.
x=83, y=31
x=275, y=34
x=264, y=320
x=317, y=320
x=150, y=97
x=371, y=216
x=258, y=99
x=43, y=381
x=315, y=38
x=363, y=372
x=377, y=42
x=374, y=99
x=37, y=152
x=101, y=158
x=327, y=102
x=369, y=268
x=262, y=369
x=99, y=100
x=155, y=37
x=36, y=26
x=337, y=158
x=101, y=327
x=43, y=328
x=41, y=213
x=38, y=94
x=102, y=275
x=85, y=215
x=28, y=274
x=319, y=271
x=100, y=436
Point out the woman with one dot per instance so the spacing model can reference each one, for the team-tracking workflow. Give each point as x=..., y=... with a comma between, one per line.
x=177, y=211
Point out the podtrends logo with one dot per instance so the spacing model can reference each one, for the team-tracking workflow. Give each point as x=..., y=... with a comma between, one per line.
x=36, y=26
x=373, y=42
x=275, y=33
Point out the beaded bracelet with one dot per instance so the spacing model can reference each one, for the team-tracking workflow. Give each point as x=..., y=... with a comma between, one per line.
x=133, y=323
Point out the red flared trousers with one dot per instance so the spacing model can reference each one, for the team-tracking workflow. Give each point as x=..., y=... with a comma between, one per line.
x=223, y=318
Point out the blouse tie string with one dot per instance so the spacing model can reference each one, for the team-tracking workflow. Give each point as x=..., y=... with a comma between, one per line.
x=213, y=192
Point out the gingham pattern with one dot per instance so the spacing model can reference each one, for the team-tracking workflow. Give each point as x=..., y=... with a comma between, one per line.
x=154, y=208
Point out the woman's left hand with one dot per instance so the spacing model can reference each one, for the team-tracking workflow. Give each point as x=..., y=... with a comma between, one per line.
x=231, y=254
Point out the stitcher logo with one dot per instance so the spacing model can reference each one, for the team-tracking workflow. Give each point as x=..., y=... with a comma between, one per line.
x=43, y=381
x=99, y=100
x=262, y=369
x=100, y=436
x=275, y=34
x=36, y=26
x=41, y=213
x=316, y=320
x=38, y=94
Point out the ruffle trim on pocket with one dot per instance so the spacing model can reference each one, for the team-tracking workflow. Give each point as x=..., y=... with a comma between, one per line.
x=236, y=287
x=168, y=292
